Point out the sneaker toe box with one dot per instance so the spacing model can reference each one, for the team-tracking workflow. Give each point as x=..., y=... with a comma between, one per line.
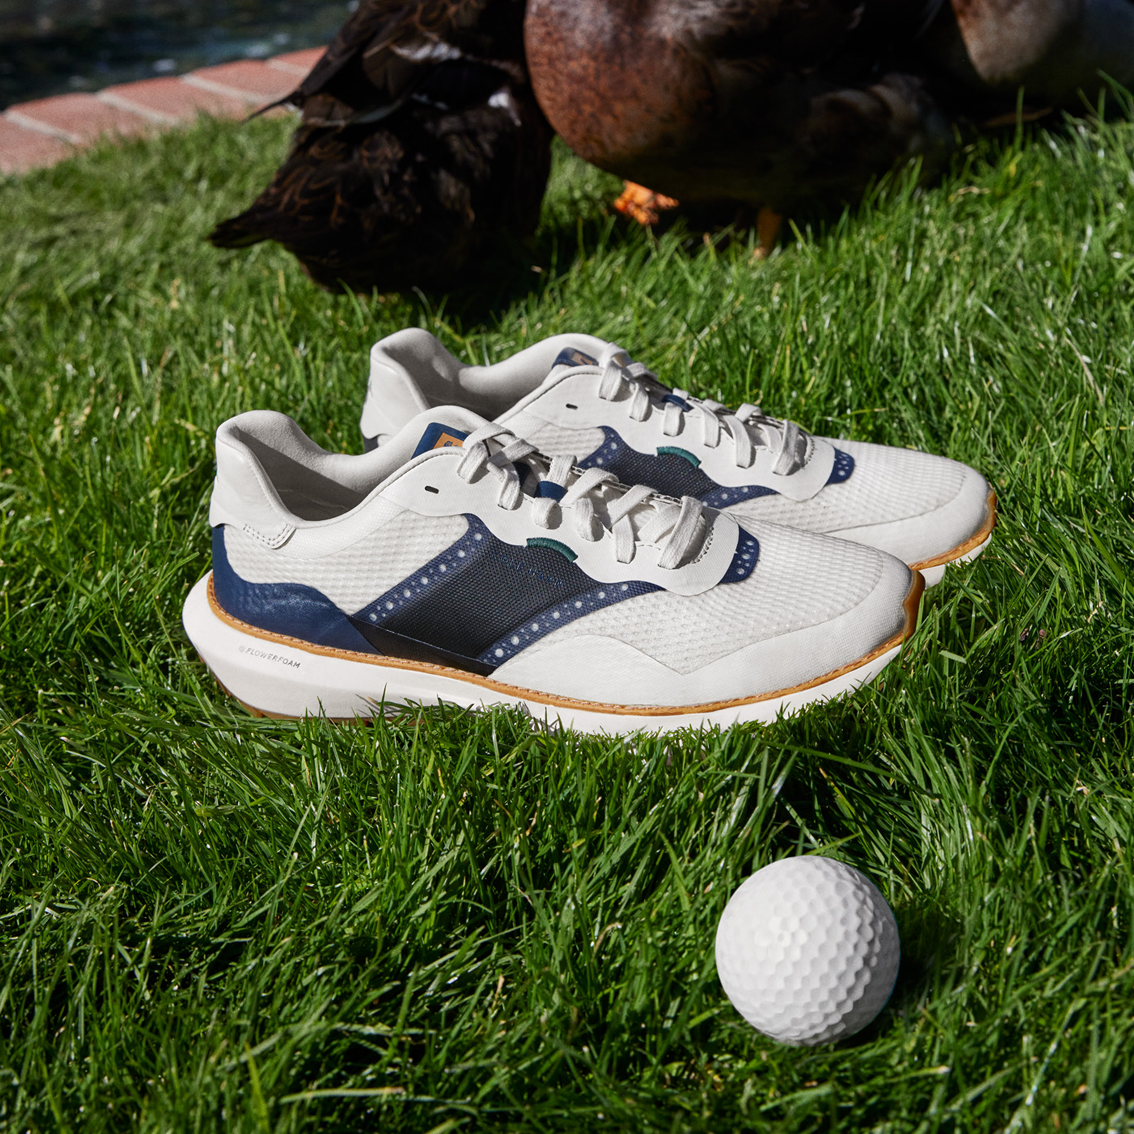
x=813, y=607
x=922, y=508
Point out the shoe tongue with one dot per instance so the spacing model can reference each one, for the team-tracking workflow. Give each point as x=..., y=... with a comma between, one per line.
x=438, y=435
x=770, y=430
x=569, y=358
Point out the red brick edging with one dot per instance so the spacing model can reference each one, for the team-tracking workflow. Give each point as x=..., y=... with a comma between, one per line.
x=45, y=131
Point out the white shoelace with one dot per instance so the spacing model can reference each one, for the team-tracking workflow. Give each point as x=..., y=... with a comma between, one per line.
x=748, y=427
x=593, y=497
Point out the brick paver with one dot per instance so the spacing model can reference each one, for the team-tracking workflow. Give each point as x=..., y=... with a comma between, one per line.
x=298, y=62
x=170, y=100
x=45, y=131
x=249, y=79
x=22, y=149
x=76, y=118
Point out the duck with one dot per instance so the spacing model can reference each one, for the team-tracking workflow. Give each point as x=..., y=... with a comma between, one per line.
x=1061, y=53
x=773, y=103
x=426, y=127
x=420, y=150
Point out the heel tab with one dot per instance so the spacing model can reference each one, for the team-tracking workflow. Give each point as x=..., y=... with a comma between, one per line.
x=415, y=341
x=243, y=496
x=393, y=396
x=268, y=429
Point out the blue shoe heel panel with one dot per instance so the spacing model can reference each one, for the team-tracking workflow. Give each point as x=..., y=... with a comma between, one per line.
x=291, y=609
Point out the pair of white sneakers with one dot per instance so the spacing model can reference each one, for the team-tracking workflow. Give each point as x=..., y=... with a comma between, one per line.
x=487, y=549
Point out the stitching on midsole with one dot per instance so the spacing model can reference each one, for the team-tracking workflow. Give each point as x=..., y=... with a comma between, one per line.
x=975, y=540
x=910, y=603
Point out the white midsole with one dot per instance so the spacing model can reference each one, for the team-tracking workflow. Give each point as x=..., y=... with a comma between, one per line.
x=290, y=681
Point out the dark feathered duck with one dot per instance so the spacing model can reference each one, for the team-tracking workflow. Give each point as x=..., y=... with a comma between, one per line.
x=420, y=142
x=1061, y=52
x=772, y=102
x=762, y=102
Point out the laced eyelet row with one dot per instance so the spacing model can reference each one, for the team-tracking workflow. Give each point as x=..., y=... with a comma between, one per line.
x=593, y=498
x=749, y=429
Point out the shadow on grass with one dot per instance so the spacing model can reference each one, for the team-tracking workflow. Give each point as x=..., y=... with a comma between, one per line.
x=514, y=270
x=929, y=940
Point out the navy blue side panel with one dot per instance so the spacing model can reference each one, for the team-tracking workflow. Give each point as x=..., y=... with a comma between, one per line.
x=667, y=472
x=605, y=594
x=723, y=497
x=480, y=593
x=842, y=468
x=282, y=608
x=744, y=558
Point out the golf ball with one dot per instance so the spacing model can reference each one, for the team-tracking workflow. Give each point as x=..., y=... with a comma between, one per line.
x=807, y=950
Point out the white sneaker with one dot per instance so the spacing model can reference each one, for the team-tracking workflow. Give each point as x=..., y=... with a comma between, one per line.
x=455, y=564
x=578, y=394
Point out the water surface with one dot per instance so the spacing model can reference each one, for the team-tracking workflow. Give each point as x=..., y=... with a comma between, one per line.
x=54, y=46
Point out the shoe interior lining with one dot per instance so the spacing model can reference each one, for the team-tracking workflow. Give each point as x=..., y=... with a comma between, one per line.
x=488, y=390
x=313, y=484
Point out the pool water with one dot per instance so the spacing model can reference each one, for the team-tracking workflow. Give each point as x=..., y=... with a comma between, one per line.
x=54, y=46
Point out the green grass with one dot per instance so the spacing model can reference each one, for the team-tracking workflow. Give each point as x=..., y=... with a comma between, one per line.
x=448, y=922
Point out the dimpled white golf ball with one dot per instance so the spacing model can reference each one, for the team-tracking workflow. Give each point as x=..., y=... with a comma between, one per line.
x=807, y=950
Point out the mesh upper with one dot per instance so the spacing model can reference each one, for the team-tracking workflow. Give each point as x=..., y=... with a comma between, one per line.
x=800, y=580
x=355, y=576
x=553, y=439
x=887, y=484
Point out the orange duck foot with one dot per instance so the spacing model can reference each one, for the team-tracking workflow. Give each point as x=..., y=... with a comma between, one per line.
x=768, y=225
x=642, y=204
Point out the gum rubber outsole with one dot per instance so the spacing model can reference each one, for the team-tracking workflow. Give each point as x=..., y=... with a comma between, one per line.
x=276, y=676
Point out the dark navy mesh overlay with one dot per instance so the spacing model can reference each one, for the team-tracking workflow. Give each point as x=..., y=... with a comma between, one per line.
x=393, y=645
x=604, y=594
x=666, y=472
x=480, y=593
x=842, y=468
